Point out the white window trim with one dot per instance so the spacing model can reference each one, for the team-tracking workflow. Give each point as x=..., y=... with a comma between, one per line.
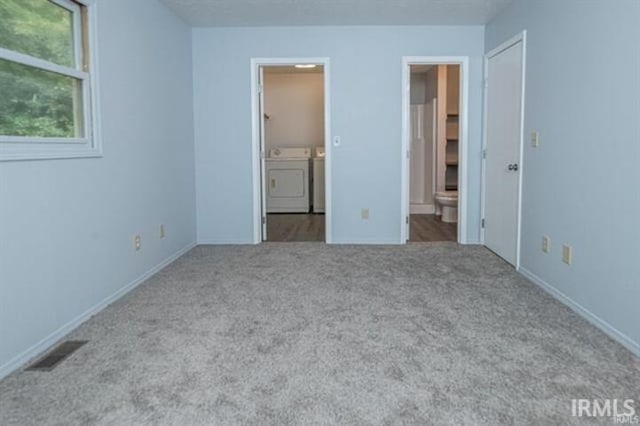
x=18, y=148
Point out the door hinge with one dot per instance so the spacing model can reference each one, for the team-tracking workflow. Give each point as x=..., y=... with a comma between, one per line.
x=484, y=153
x=485, y=83
x=260, y=88
x=264, y=220
x=406, y=220
x=482, y=223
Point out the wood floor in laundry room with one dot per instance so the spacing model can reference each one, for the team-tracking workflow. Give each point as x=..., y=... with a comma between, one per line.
x=295, y=227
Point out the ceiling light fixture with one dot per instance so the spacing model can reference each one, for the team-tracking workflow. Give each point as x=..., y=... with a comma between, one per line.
x=305, y=66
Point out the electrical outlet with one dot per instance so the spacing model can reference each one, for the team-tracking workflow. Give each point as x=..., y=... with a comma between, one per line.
x=365, y=213
x=163, y=233
x=546, y=243
x=137, y=242
x=535, y=139
x=567, y=254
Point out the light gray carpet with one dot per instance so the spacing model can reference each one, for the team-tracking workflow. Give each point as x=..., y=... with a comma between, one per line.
x=303, y=333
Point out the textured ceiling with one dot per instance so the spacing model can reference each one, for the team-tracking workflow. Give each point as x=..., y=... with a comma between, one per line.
x=205, y=13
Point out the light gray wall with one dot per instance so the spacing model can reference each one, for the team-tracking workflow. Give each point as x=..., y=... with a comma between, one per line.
x=581, y=185
x=66, y=226
x=294, y=103
x=365, y=89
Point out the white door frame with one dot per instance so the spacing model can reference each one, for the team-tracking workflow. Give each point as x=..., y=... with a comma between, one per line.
x=256, y=153
x=463, y=61
x=521, y=37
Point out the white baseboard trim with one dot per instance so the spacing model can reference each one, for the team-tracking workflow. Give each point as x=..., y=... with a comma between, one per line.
x=23, y=358
x=207, y=242
x=422, y=209
x=607, y=328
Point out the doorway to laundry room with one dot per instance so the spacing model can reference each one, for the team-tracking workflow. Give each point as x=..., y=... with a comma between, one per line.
x=292, y=127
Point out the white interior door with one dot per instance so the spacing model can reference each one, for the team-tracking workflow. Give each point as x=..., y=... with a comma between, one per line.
x=503, y=144
x=263, y=153
x=407, y=171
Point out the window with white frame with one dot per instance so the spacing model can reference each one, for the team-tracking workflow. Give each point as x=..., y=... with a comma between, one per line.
x=46, y=107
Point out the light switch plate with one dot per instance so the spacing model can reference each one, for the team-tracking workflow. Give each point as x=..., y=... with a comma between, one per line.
x=546, y=243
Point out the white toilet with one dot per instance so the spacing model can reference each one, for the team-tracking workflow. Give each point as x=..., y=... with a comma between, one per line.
x=447, y=205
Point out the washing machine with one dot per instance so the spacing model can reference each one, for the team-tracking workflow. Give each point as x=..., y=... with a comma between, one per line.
x=318, y=180
x=287, y=175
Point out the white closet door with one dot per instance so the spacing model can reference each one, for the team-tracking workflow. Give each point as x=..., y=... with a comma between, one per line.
x=504, y=132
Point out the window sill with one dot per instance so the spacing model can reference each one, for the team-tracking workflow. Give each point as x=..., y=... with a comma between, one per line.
x=40, y=152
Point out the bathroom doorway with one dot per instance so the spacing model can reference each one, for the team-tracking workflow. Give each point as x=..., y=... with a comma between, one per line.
x=290, y=156
x=433, y=137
